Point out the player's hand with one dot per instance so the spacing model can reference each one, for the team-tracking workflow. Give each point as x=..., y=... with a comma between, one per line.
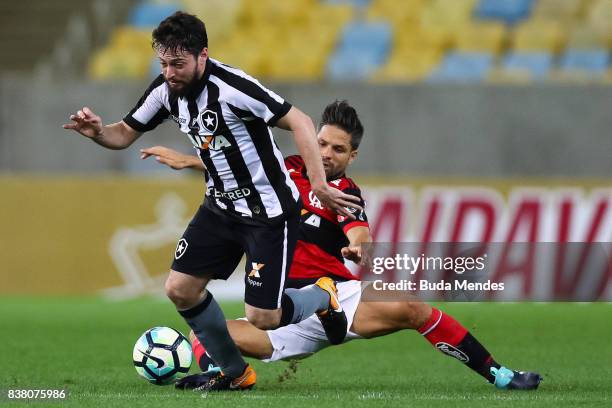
x=352, y=253
x=169, y=157
x=338, y=201
x=86, y=123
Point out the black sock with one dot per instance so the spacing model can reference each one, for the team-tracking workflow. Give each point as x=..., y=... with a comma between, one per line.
x=481, y=360
x=451, y=338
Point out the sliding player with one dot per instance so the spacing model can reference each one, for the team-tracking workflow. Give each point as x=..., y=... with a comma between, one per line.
x=324, y=239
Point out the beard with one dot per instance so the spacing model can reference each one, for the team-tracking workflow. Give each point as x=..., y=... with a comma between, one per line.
x=332, y=173
x=185, y=86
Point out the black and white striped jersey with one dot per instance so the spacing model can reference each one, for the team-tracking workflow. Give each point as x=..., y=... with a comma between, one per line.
x=227, y=116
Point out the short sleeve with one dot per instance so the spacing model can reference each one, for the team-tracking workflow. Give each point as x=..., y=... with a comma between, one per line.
x=294, y=163
x=251, y=96
x=150, y=111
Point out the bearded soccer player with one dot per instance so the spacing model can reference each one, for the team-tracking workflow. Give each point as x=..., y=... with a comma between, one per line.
x=252, y=204
x=324, y=240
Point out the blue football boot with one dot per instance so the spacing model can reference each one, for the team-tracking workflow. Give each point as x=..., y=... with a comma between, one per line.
x=506, y=379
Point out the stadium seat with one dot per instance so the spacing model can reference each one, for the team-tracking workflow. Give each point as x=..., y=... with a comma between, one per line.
x=408, y=66
x=323, y=39
x=224, y=12
x=322, y=26
x=350, y=66
x=462, y=67
x=592, y=62
x=400, y=14
x=302, y=24
x=586, y=37
x=424, y=38
x=515, y=77
x=263, y=12
x=295, y=65
x=371, y=37
x=290, y=62
x=599, y=17
x=356, y=3
x=336, y=15
x=127, y=37
x=539, y=35
x=536, y=65
x=384, y=40
x=509, y=11
x=147, y=14
x=564, y=11
x=249, y=59
x=483, y=37
x=450, y=14
x=363, y=47
x=118, y=64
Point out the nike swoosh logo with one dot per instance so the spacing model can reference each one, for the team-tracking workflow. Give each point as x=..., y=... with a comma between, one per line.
x=233, y=385
x=339, y=308
x=160, y=363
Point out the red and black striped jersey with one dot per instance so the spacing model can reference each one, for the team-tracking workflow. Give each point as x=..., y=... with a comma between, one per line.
x=322, y=233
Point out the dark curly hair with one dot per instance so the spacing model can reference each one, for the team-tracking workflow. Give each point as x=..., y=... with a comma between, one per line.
x=344, y=116
x=180, y=32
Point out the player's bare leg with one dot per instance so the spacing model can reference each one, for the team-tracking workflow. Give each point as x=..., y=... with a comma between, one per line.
x=376, y=316
x=184, y=290
x=379, y=318
x=251, y=341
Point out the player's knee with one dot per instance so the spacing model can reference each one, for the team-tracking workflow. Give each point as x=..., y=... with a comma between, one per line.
x=263, y=319
x=183, y=296
x=415, y=314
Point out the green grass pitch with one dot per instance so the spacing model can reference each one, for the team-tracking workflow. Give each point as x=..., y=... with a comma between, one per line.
x=85, y=345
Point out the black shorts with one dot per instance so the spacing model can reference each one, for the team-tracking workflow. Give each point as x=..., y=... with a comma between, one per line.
x=213, y=245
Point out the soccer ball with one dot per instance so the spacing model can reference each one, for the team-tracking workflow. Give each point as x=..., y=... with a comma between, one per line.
x=162, y=355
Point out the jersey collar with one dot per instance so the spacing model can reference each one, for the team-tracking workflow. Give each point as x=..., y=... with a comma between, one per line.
x=201, y=83
x=305, y=175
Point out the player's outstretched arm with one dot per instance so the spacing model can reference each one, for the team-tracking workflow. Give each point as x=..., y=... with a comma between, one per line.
x=357, y=236
x=172, y=158
x=115, y=136
x=306, y=141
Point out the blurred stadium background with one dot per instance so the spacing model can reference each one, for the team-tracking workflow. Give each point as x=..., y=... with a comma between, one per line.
x=485, y=119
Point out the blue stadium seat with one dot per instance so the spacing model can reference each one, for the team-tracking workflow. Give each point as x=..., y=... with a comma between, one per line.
x=538, y=64
x=147, y=14
x=509, y=11
x=462, y=67
x=373, y=39
x=594, y=61
x=362, y=48
x=350, y=66
x=357, y=3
